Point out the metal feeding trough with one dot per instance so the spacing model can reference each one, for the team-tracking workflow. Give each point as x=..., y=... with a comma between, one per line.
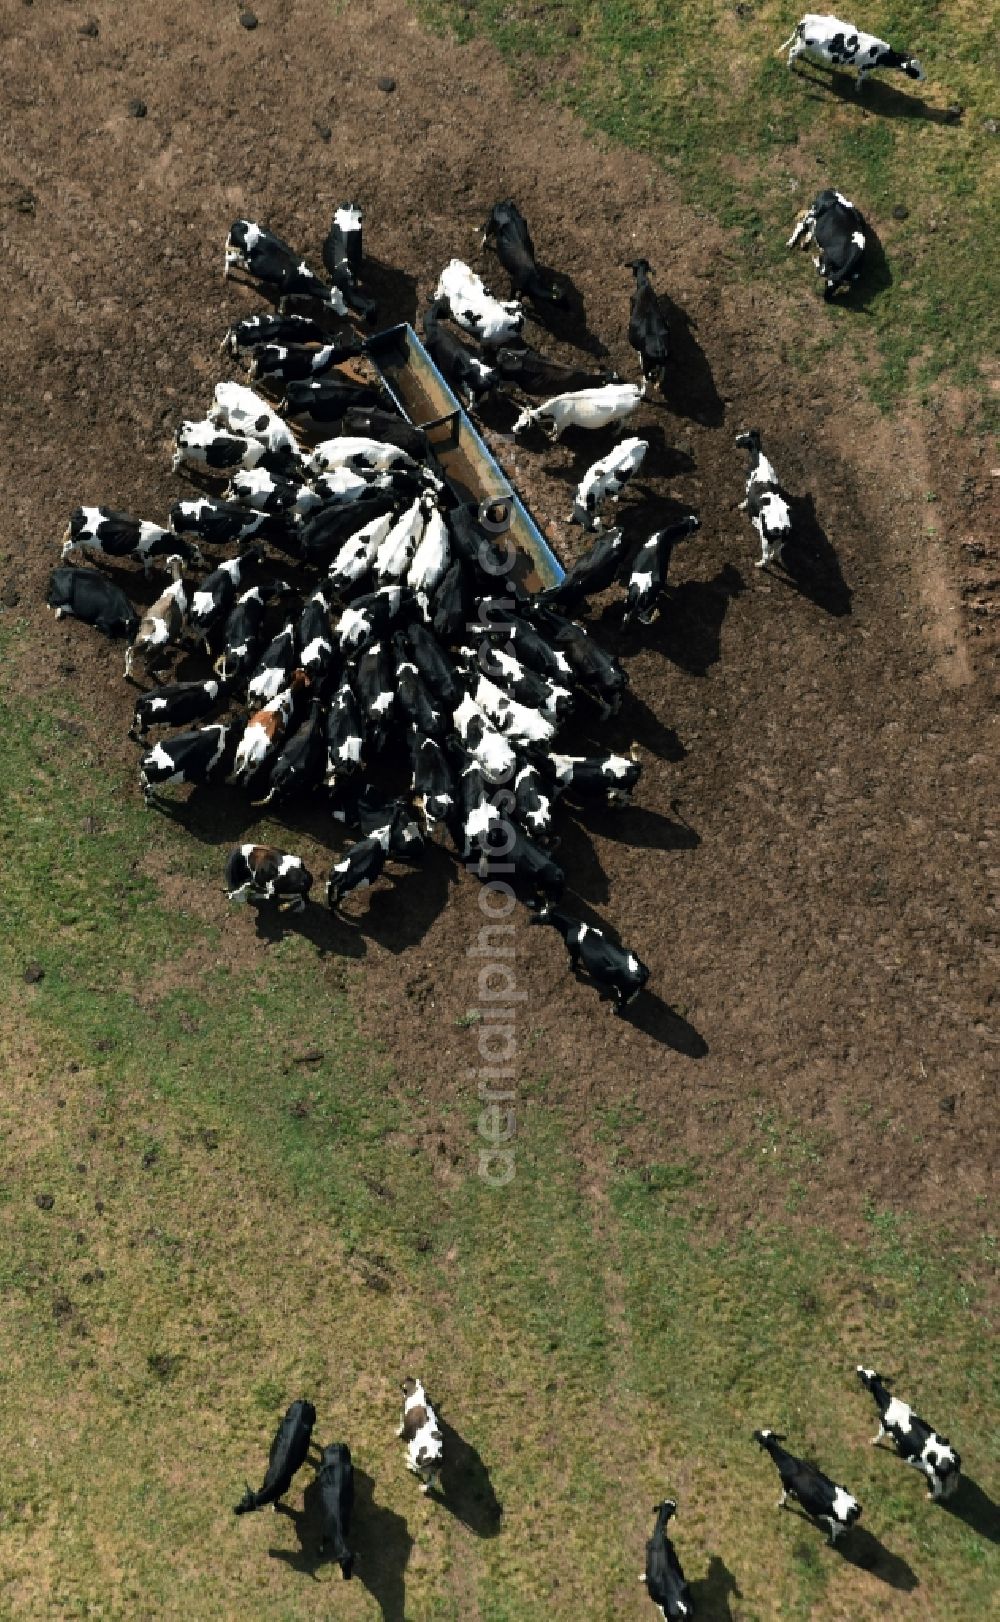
x=425, y=400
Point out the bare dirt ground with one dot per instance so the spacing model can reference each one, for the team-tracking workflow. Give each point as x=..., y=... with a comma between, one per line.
x=809, y=867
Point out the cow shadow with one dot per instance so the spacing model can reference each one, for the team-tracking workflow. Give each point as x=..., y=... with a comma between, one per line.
x=975, y=1507
x=579, y=860
x=380, y=1539
x=863, y=1549
x=689, y=388
x=567, y=322
x=810, y=565
x=400, y=915
x=712, y=1593
x=466, y=1489
x=877, y=96
x=643, y=829
x=329, y=934
x=393, y=289
x=655, y=1018
x=688, y=629
x=212, y=813
x=648, y=731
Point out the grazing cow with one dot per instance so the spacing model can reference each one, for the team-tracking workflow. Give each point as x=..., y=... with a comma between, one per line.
x=463, y=371
x=609, y=965
x=605, y=479
x=83, y=594
x=648, y=332
x=483, y=742
x=289, y=1451
x=915, y=1440
x=838, y=230
x=421, y=1432
x=326, y=532
x=370, y=617
x=820, y=1497
x=217, y=593
x=487, y=318
x=241, y=634
x=241, y=411
x=597, y=672
x=257, y=331
x=840, y=45
x=202, y=445
x=536, y=373
x=523, y=684
x=220, y=523
x=320, y=401
x=431, y=780
x=477, y=811
x=406, y=841
x=519, y=722
x=342, y=259
x=508, y=849
x=117, y=535
x=663, y=1576
x=261, y=873
x=593, y=573
x=359, y=868
x=345, y=735
x=335, y=1479
x=765, y=503
x=471, y=542
x=360, y=455
x=266, y=730
x=356, y=557
x=604, y=777
x=501, y=625
x=376, y=687
x=173, y=706
x=396, y=553
x=271, y=493
x=450, y=602
x=301, y=765
x=586, y=408
x=273, y=670
x=386, y=425
x=532, y=804
x=315, y=638
x=649, y=570
x=274, y=264
x=188, y=757
x=276, y=364
x=509, y=230
x=415, y=700
x=162, y=624
x=432, y=556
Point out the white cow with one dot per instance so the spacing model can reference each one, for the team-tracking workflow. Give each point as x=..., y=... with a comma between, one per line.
x=473, y=308
x=587, y=408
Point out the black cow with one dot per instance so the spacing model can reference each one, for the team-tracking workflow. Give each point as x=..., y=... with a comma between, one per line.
x=415, y=699
x=83, y=594
x=663, y=1576
x=262, y=873
x=451, y=602
x=324, y=400
x=406, y=841
x=434, y=665
x=610, y=966
x=648, y=332
x=288, y=1453
x=335, y=1479
x=173, y=705
x=189, y=757
x=508, y=228
x=820, y=1497
x=592, y=573
x=301, y=765
x=506, y=848
x=838, y=230
x=536, y=373
x=463, y=371
x=220, y=523
x=376, y=689
x=324, y=532
x=648, y=576
x=431, y=780
x=342, y=259
x=915, y=1440
x=596, y=671
x=371, y=422
x=241, y=632
x=274, y=264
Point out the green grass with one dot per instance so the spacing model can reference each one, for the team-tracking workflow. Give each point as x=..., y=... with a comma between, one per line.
x=213, y=1249
x=701, y=89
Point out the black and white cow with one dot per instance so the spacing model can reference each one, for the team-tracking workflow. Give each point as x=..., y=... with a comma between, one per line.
x=463, y=371
x=370, y=617
x=345, y=735
x=605, y=480
x=359, y=454
x=210, y=449
x=173, y=705
x=359, y=868
x=256, y=331
x=406, y=839
x=289, y=1451
x=433, y=554
x=376, y=689
x=663, y=1576
x=915, y=1440
x=610, y=966
x=220, y=523
x=415, y=699
x=838, y=230
x=335, y=1481
x=477, y=811
x=765, y=503
x=317, y=402
x=489, y=319
x=648, y=576
x=301, y=763
x=508, y=229
x=434, y=664
x=163, y=622
x=262, y=873
x=590, y=574
x=270, y=261
x=118, y=535
x=431, y=780
x=421, y=1432
x=354, y=564
x=820, y=1497
x=271, y=493
x=840, y=45
x=188, y=757
x=610, y=778
x=290, y=363
x=504, y=627
x=597, y=672
x=483, y=742
x=536, y=373
x=240, y=410
x=397, y=550
x=215, y=596
x=318, y=655
x=83, y=594
x=342, y=255
x=273, y=670
x=451, y=602
x=533, y=803
x=266, y=731
x=241, y=635
x=648, y=332
x=523, y=684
